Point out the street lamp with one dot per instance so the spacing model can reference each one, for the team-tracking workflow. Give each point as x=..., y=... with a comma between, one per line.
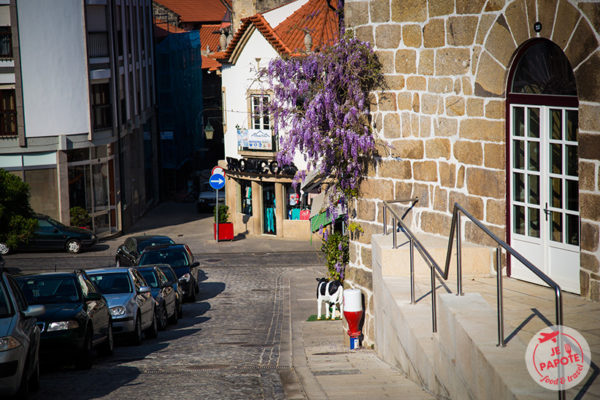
x=209, y=131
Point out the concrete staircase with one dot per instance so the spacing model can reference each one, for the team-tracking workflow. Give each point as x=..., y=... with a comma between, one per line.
x=461, y=360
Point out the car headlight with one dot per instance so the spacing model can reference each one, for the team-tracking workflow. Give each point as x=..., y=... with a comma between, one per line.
x=62, y=326
x=185, y=278
x=8, y=343
x=117, y=311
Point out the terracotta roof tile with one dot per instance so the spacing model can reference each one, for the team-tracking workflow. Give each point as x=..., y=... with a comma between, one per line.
x=197, y=10
x=162, y=29
x=210, y=63
x=209, y=36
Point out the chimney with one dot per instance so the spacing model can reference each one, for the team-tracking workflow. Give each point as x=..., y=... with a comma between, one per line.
x=242, y=9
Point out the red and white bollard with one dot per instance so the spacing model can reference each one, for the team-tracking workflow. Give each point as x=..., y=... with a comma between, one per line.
x=353, y=313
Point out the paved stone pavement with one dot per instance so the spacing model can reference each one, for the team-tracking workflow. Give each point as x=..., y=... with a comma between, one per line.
x=246, y=336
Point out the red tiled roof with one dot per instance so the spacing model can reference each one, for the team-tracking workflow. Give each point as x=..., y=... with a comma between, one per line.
x=162, y=29
x=210, y=35
x=210, y=63
x=197, y=10
x=318, y=17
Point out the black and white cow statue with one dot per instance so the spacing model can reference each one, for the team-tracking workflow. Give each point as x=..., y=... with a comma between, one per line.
x=331, y=293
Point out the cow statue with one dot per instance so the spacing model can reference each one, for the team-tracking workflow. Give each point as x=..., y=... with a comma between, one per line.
x=331, y=293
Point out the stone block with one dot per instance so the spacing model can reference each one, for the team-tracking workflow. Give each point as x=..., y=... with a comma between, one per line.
x=434, y=33
x=403, y=190
x=452, y=61
x=589, y=146
x=367, y=257
x=490, y=77
x=411, y=34
x=424, y=126
x=566, y=18
x=515, y=15
x=460, y=177
x=495, y=109
x=457, y=85
x=440, y=85
x=391, y=125
x=467, y=86
x=365, y=34
x=546, y=12
x=353, y=253
x=447, y=174
x=475, y=107
x=485, y=23
x=388, y=36
x=395, y=169
x=591, y=11
x=406, y=61
x=495, y=211
x=356, y=13
x=461, y=30
x=406, y=118
x=482, y=129
x=469, y=6
x=377, y=119
x=376, y=189
x=589, y=236
x=455, y=106
x=475, y=235
x=394, y=82
x=430, y=103
x=426, y=62
x=404, y=101
x=472, y=204
x=425, y=171
x=475, y=59
x=594, y=290
x=445, y=126
x=436, y=223
x=416, y=83
x=494, y=155
x=440, y=199
x=468, y=152
x=587, y=176
x=494, y=5
x=588, y=117
x=584, y=39
x=387, y=60
x=440, y=8
x=437, y=148
x=409, y=10
x=485, y=182
x=588, y=73
x=369, y=229
x=359, y=277
x=590, y=262
x=422, y=191
x=584, y=282
x=387, y=101
x=365, y=210
x=380, y=10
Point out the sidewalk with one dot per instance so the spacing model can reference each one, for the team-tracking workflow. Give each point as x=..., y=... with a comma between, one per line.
x=325, y=367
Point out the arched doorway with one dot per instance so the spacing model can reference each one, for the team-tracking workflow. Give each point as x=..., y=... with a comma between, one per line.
x=543, y=192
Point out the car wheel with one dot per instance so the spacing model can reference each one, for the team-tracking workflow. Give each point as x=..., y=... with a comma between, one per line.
x=136, y=337
x=162, y=318
x=73, y=246
x=152, y=331
x=34, y=380
x=108, y=346
x=4, y=249
x=86, y=356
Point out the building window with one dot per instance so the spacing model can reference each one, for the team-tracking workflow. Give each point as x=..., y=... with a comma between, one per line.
x=98, y=44
x=101, y=107
x=5, y=42
x=8, y=113
x=260, y=112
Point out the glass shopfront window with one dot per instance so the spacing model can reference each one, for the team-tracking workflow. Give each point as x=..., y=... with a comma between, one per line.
x=246, y=197
x=292, y=202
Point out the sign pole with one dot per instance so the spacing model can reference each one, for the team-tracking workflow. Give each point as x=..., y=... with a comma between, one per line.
x=217, y=213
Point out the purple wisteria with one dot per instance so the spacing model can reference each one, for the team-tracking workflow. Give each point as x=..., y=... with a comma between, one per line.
x=321, y=110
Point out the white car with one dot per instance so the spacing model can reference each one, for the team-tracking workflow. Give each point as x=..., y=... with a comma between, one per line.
x=208, y=197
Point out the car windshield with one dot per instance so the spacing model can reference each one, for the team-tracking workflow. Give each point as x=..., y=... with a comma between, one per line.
x=150, y=278
x=5, y=308
x=154, y=241
x=169, y=273
x=49, y=289
x=173, y=257
x=111, y=283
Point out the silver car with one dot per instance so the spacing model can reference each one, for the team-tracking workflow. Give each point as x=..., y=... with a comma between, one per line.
x=130, y=301
x=19, y=340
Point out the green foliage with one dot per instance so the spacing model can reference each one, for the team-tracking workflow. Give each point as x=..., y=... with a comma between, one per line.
x=17, y=222
x=80, y=217
x=223, y=213
x=335, y=248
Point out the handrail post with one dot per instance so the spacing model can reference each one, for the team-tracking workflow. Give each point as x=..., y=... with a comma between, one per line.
x=394, y=239
x=433, y=302
x=459, y=291
x=384, y=218
x=412, y=271
x=499, y=297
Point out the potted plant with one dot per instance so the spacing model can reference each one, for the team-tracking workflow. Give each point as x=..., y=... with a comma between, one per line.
x=80, y=217
x=225, y=227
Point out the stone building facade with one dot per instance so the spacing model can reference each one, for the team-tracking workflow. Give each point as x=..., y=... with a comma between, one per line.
x=444, y=125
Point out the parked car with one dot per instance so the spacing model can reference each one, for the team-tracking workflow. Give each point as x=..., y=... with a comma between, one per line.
x=19, y=340
x=128, y=254
x=207, y=198
x=172, y=277
x=77, y=319
x=53, y=235
x=181, y=259
x=163, y=293
x=130, y=301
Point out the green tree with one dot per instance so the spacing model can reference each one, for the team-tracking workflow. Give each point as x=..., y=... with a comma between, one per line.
x=17, y=222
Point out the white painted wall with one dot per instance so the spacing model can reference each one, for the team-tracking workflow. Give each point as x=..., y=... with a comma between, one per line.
x=54, y=67
x=279, y=14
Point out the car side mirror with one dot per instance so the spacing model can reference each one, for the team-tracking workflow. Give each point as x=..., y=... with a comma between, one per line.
x=93, y=296
x=195, y=264
x=144, y=289
x=34, y=311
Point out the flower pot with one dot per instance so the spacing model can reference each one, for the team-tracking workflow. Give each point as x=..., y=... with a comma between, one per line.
x=225, y=231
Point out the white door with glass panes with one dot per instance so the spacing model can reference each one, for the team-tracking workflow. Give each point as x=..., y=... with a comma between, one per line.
x=544, y=193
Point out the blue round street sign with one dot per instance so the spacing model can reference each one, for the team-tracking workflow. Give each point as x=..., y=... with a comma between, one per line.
x=216, y=181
